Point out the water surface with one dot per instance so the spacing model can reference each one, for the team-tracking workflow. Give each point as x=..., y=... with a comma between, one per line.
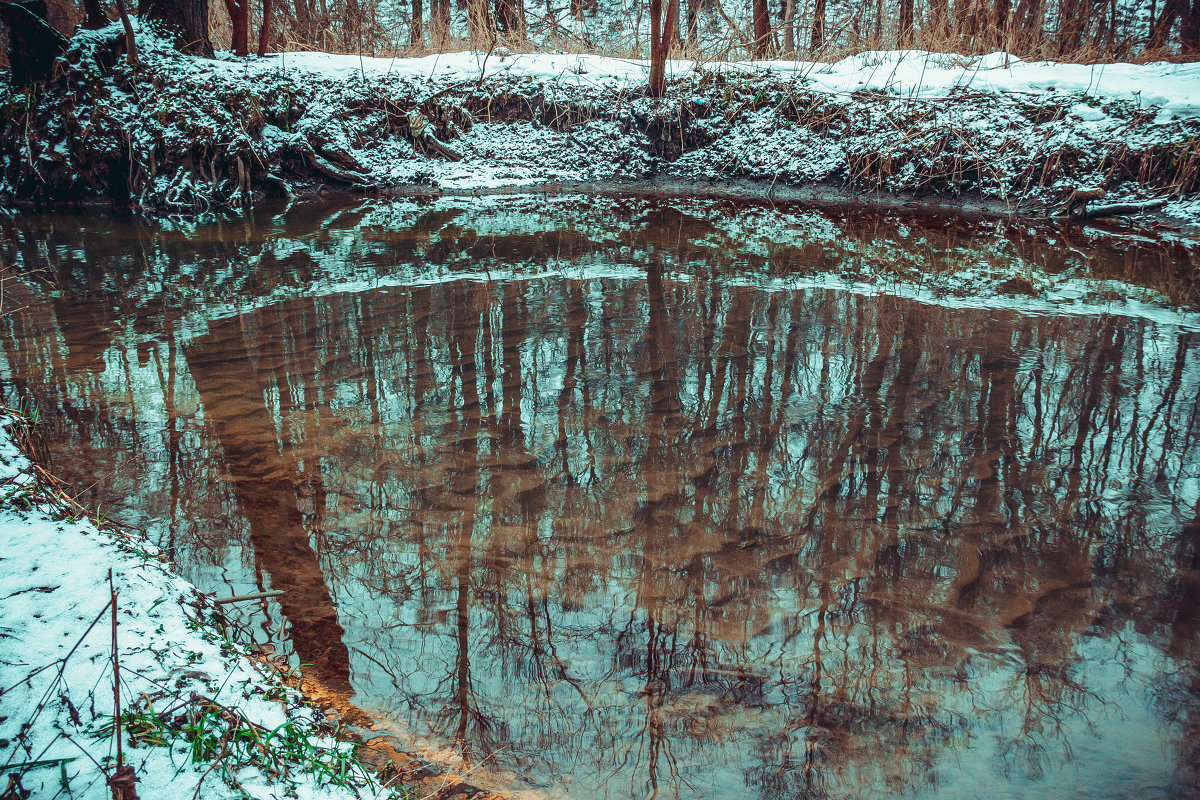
x=633, y=497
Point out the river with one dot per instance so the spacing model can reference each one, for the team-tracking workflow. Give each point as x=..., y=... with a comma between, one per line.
x=629, y=497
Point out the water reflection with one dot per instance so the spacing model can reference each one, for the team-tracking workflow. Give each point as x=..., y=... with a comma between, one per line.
x=619, y=511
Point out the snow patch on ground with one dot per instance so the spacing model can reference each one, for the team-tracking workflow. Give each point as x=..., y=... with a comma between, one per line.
x=1174, y=89
x=56, y=696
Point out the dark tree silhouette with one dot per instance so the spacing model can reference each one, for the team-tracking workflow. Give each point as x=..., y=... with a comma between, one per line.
x=185, y=20
x=32, y=43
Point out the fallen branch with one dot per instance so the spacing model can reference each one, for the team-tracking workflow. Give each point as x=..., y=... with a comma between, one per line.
x=1077, y=205
x=46, y=762
x=1113, y=209
x=238, y=598
x=123, y=781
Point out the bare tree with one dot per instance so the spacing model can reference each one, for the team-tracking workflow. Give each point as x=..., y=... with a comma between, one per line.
x=507, y=18
x=479, y=22
x=264, y=33
x=239, y=21
x=762, y=28
x=1165, y=22
x=662, y=33
x=789, y=26
x=416, y=33
x=1001, y=15
x=904, y=35
x=1190, y=35
x=939, y=19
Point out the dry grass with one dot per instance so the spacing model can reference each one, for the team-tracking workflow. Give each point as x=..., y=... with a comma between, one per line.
x=722, y=35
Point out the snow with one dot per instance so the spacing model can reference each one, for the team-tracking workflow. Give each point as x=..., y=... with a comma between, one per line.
x=985, y=112
x=54, y=578
x=1173, y=88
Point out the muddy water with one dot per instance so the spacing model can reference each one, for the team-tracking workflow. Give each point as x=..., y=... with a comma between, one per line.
x=633, y=498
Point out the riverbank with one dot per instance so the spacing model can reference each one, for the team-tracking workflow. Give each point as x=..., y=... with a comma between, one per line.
x=199, y=715
x=182, y=135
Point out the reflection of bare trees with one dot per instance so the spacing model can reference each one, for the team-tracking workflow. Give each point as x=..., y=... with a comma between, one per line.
x=266, y=477
x=669, y=534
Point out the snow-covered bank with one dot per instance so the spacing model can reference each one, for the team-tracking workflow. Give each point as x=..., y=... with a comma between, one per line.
x=200, y=717
x=187, y=134
x=1172, y=89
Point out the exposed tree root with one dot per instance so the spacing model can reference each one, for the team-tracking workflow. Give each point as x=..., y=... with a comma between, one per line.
x=327, y=167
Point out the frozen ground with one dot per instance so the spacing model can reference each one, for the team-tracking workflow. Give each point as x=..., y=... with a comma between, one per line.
x=225, y=726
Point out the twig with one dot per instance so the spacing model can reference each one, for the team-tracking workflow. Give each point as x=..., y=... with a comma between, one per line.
x=48, y=762
x=123, y=780
x=116, y=665
x=238, y=598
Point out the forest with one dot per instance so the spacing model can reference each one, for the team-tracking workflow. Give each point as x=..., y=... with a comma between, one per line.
x=715, y=30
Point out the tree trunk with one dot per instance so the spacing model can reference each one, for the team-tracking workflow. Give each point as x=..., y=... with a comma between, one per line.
x=1029, y=22
x=185, y=20
x=657, y=61
x=818, y=26
x=95, y=18
x=439, y=11
x=1190, y=36
x=479, y=23
x=415, y=35
x=661, y=36
x=904, y=35
x=131, y=51
x=1071, y=28
x=32, y=44
x=303, y=19
x=939, y=19
x=789, y=27
x=1002, y=11
x=762, y=28
x=239, y=21
x=352, y=31
x=1162, y=28
x=506, y=15
x=264, y=33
